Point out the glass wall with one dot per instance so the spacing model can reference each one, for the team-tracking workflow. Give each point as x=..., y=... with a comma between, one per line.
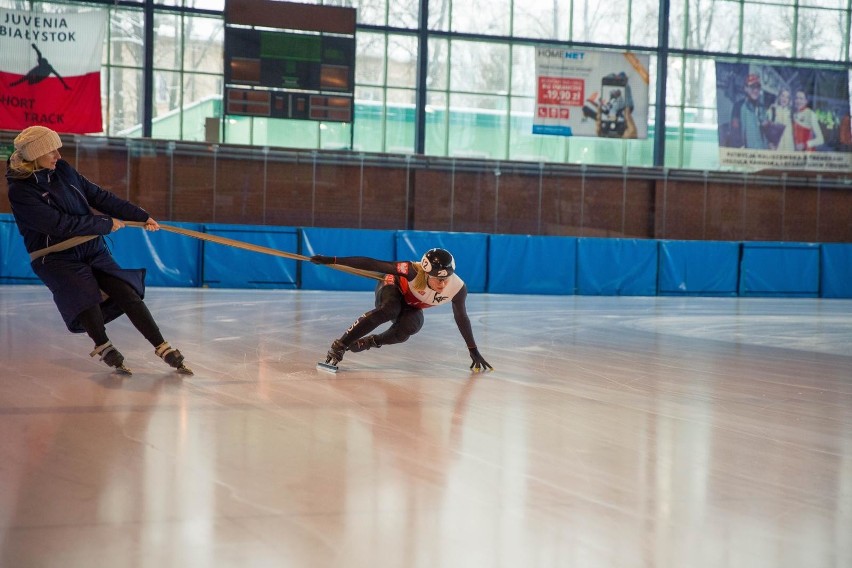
x=479, y=72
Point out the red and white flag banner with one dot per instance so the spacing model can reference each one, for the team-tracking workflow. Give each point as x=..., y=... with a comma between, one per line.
x=50, y=70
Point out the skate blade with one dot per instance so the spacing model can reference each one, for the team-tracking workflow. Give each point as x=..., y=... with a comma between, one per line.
x=327, y=367
x=122, y=370
x=184, y=370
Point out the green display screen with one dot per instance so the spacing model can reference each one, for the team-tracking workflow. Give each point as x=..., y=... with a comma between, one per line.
x=297, y=47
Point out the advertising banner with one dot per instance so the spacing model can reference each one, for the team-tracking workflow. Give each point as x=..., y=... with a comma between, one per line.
x=781, y=117
x=50, y=70
x=591, y=93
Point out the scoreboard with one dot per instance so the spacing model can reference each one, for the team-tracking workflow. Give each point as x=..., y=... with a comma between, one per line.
x=304, y=73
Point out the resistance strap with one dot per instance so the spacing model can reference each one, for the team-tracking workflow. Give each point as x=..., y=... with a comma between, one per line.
x=74, y=241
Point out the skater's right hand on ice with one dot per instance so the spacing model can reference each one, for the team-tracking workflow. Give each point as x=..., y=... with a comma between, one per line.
x=479, y=365
x=322, y=259
x=117, y=224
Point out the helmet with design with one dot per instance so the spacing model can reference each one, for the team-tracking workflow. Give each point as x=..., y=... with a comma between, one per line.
x=438, y=262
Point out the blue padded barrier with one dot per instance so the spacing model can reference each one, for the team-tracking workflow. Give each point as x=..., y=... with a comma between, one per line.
x=616, y=267
x=470, y=251
x=836, y=271
x=14, y=260
x=524, y=264
x=779, y=269
x=698, y=268
x=229, y=267
x=603, y=266
x=343, y=242
x=170, y=259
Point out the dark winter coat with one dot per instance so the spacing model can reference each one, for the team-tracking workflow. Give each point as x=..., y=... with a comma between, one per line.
x=52, y=206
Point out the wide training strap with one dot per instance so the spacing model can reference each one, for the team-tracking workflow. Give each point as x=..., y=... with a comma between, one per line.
x=64, y=245
x=74, y=241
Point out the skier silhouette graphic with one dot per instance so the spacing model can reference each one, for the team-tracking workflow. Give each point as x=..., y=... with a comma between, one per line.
x=40, y=72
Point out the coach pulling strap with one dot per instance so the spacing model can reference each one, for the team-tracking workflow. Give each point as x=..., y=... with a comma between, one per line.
x=74, y=241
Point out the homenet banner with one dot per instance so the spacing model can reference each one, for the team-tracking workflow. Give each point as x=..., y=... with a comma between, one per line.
x=591, y=93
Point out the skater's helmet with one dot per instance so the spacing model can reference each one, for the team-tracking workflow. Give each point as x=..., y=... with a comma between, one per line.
x=438, y=262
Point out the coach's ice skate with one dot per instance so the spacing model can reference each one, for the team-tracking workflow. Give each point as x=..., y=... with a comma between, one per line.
x=173, y=357
x=112, y=357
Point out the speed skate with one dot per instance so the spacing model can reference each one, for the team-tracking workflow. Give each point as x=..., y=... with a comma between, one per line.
x=328, y=367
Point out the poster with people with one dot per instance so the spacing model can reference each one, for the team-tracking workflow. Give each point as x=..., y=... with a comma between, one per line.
x=50, y=66
x=591, y=93
x=776, y=116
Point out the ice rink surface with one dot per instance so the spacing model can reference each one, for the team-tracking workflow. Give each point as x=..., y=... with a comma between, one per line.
x=619, y=432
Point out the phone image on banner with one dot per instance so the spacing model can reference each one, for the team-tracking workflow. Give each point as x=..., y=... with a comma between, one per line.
x=613, y=103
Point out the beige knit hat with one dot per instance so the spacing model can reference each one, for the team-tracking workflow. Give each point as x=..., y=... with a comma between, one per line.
x=36, y=141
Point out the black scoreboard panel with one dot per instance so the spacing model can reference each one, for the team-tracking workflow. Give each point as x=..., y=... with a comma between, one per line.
x=284, y=60
x=282, y=104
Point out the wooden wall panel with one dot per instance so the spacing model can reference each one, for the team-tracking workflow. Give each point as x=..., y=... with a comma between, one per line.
x=240, y=187
x=194, y=198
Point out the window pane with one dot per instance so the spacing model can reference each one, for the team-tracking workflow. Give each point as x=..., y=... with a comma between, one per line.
x=639, y=152
x=166, y=123
x=436, y=124
x=202, y=99
x=673, y=137
x=237, y=129
x=583, y=150
x=489, y=17
x=700, y=139
x=700, y=82
x=200, y=4
x=439, y=14
x=369, y=119
x=820, y=34
x=599, y=22
x=437, y=70
x=523, y=144
x=698, y=25
x=760, y=38
x=399, y=128
x=674, y=81
x=644, y=22
x=167, y=47
x=402, y=61
x=125, y=108
x=370, y=63
x=479, y=67
x=835, y=4
x=652, y=80
x=478, y=126
x=126, y=35
x=167, y=92
x=404, y=13
x=544, y=19
x=523, y=70
x=334, y=135
x=368, y=11
x=204, y=40
x=285, y=132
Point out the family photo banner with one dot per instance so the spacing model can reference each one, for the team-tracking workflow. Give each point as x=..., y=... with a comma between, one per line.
x=776, y=116
x=50, y=70
x=591, y=93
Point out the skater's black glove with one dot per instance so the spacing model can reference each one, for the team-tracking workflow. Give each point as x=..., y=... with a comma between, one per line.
x=479, y=365
x=322, y=259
